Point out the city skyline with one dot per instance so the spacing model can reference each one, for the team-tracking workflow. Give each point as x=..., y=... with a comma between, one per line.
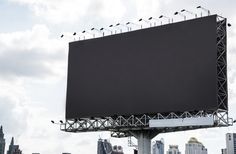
x=12, y=149
x=33, y=68
x=104, y=146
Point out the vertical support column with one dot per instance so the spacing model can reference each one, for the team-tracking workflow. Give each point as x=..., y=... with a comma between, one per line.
x=144, y=143
x=144, y=138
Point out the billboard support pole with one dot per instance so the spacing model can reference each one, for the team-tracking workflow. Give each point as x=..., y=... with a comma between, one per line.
x=144, y=138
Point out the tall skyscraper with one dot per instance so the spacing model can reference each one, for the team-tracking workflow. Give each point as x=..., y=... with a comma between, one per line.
x=195, y=147
x=173, y=149
x=13, y=149
x=231, y=143
x=158, y=147
x=223, y=151
x=2, y=141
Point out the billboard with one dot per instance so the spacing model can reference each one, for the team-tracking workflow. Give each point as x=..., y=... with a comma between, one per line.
x=169, y=68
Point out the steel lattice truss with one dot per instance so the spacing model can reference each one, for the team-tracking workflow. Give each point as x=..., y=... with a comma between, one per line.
x=222, y=63
x=121, y=126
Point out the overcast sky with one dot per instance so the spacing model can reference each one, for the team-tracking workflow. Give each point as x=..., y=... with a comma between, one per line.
x=33, y=67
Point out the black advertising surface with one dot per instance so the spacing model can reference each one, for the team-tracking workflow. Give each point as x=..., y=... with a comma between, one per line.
x=169, y=68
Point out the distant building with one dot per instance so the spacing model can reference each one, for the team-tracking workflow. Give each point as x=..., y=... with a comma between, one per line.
x=2, y=141
x=117, y=150
x=223, y=151
x=231, y=143
x=173, y=149
x=13, y=149
x=195, y=147
x=158, y=147
x=104, y=147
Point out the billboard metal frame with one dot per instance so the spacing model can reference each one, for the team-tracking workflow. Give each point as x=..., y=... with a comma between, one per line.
x=124, y=126
x=222, y=95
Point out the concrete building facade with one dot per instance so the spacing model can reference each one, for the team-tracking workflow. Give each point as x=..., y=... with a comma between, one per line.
x=231, y=143
x=195, y=147
x=158, y=147
x=13, y=149
x=173, y=149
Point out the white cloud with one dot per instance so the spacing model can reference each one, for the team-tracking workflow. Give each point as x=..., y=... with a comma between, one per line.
x=57, y=11
x=13, y=108
x=28, y=58
x=63, y=11
x=91, y=13
x=145, y=9
x=31, y=53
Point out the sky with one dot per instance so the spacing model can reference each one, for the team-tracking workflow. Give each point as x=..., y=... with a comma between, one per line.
x=33, y=68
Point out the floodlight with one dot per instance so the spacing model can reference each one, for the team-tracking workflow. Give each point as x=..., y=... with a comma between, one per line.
x=120, y=24
x=74, y=35
x=184, y=10
x=97, y=30
x=144, y=20
x=162, y=16
x=141, y=19
x=204, y=9
x=178, y=13
x=102, y=29
x=84, y=31
x=115, y=26
x=152, y=18
x=132, y=23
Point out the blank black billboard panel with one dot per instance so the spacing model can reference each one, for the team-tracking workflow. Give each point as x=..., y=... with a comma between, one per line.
x=169, y=68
